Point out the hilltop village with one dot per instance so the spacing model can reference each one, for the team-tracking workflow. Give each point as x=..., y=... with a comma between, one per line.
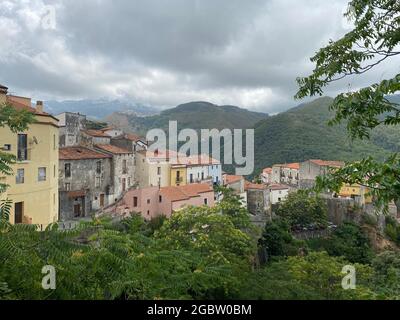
x=66, y=172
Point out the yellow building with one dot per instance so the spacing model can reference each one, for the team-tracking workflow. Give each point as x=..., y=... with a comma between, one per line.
x=33, y=187
x=356, y=191
x=178, y=175
x=152, y=168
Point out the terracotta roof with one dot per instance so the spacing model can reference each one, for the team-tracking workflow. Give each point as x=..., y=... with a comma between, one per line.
x=294, y=165
x=112, y=149
x=96, y=133
x=325, y=163
x=267, y=170
x=185, y=192
x=22, y=106
x=76, y=194
x=253, y=186
x=278, y=187
x=107, y=129
x=232, y=179
x=134, y=137
x=80, y=153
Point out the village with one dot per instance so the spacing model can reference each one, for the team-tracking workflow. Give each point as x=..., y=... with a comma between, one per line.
x=67, y=172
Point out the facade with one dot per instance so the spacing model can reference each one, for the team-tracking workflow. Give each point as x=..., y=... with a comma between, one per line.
x=122, y=168
x=311, y=169
x=266, y=176
x=285, y=174
x=153, y=168
x=89, y=138
x=237, y=184
x=152, y=202
x=178, y=174
x=85, y=182
x=71, y=124
x=33, y=187
x=258, y=198
x=278, y=193
x=356, y=192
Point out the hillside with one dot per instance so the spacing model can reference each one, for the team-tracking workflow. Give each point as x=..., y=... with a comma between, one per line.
x=302, y=133
x=194, y=115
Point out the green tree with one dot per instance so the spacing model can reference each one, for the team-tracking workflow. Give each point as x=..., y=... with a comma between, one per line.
x=373, y=40
x=301, y=209
x=15, y=121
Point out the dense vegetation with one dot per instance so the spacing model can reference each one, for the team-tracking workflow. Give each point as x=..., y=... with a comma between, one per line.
x=199, y=253
x=193, y=115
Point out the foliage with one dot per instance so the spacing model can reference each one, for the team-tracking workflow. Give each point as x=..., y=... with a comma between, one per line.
x=392, y=229
x=16, y=121
x=315, y=276
x=348, y=241
x=386, y=279
x=278, y=240
x=302, y=210
x=374, y=39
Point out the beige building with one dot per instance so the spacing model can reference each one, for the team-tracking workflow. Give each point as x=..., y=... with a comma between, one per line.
x=33, y=186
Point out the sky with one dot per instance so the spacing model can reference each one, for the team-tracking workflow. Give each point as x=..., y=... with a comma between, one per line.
x=164, y=53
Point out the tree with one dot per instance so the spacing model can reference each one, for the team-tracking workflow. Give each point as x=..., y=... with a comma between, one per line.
x=15, y=121
x=374, y=39
x=301, y=209
x=278, y=240
x=348, y=241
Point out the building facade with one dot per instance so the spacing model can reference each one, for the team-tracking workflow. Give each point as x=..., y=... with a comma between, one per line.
x=85, y=182
x=71, y=124
x=311, y=169
x=33, y=186
x=285, y=174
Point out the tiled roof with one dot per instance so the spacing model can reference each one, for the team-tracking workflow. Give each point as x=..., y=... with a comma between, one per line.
x=22, y=106
x=112, y=149
x=80, y=153
x=278, y=187
x=294, y=165
x=134, y=137
x=96, y=133
x=185, y=192
x=325, y=163
x=232, y=179
x=253, y=186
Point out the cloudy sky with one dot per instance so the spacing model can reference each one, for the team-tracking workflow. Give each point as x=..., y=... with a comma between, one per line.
x=167, y=52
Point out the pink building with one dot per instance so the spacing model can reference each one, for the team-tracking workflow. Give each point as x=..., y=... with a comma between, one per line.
x=151, y=202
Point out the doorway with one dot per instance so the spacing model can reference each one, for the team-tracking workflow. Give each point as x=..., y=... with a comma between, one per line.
x=18, y=212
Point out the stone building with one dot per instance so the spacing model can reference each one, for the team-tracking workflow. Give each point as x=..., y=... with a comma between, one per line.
x=311, y=169
x=89, y=138
x=70, y=126
x=85, y=181
x=122, y=168
x=258, y=199
x=287, y=173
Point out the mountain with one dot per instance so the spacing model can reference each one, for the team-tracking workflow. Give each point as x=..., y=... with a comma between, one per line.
x=100, y=108
x=194, y=115
x=302, y=133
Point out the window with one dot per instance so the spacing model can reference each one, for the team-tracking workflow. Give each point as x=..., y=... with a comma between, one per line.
x=148, y=212
x=42, y=174
x=148, y=201
x=22, y=147
x=135, y=202
x=129, y=182
x=98, y=167
x=191, y=178
x=7, y=147
x=67, y=186
x=18, y=212
x=97, y=182
x=206, y=201
x=202, y=176
x=67, y=169
x=159, y=170
x=124, y=167
x=160, y=199
x=54, y=142
x=20, y=177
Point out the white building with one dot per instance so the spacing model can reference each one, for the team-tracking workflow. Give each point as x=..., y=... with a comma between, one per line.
x=278, y=192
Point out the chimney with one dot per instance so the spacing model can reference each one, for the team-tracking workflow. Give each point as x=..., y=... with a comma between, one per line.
x=3, y=94
x=39, y=106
